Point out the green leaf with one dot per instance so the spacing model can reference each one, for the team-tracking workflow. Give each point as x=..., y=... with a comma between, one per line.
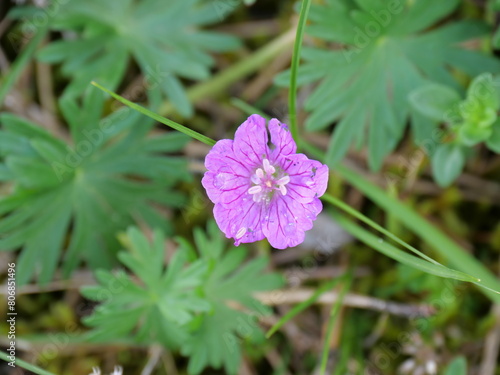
x=434, y=101
x=402, y=56
x=169, y=296
x=458, y=366
x=493, y=142
x=447, y=163
x=470, y=134
x=219, y=335
x=113, y=176
x=166, y=42
x=20, y=63
x=485, y=91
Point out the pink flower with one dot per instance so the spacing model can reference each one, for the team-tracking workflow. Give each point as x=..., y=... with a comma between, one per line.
x=261, y=188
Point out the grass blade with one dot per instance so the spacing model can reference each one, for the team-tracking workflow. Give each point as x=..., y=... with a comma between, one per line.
x=456, y=255
x=358, y=215
x=402, y=257
x=163, y=120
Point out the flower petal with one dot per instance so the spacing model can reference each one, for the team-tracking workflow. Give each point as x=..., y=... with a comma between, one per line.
x=281, y=138
x=308, y=178
x=224, y=188
x=287, y=220
x=222, y=157
x=250, y=141
x=237, y=169
x=321, y=180
x=242, y=222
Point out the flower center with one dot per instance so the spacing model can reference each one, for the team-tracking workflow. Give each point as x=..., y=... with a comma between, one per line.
x=266, y=181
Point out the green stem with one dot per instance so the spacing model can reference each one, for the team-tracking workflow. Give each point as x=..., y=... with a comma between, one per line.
x=18, y=66
x=222, y=81
x=25, y=365
x=292, y=94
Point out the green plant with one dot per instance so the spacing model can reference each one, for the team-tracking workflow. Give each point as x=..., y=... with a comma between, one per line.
x=164, y=41
x=468, y=122
x=202, y=304
x=164, y=302
x=386, y=52
x=74, y=198
x=426, y=264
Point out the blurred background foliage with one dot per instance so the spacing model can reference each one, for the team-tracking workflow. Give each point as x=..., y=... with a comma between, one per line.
x=97, y=197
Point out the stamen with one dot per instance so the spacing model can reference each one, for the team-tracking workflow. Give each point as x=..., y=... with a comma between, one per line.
x=283, y=180
x=266, y=181
x=255, y=189
x=256, y=180
x=268, y=168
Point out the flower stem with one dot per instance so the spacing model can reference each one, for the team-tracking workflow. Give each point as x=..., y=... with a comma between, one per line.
x=292, y=95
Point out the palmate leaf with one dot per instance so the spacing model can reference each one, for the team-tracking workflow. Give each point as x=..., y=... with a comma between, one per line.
x=387, y=54
x=76, y=198
x=217, y=339
x=165, y=39
x=156, y=310
x=200, y=304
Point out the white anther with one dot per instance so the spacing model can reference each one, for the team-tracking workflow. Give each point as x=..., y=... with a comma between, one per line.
x=259, y=173
x=255, y=189
x=268, y=168
x=283, y=189
x=283, y=180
